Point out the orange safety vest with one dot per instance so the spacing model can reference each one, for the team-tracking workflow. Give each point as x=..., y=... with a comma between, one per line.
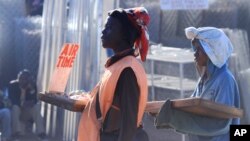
x=89, y=126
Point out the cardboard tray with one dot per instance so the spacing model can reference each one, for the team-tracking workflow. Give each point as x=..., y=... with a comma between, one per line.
x=193, y=105
x=199, y=106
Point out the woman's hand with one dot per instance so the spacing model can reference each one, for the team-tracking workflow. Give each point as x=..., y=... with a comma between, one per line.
x=80, y=95
x=77, y=92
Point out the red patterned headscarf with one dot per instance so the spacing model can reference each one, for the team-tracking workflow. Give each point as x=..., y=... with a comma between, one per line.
x=139, y=17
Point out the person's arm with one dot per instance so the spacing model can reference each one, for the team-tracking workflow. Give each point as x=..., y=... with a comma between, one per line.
x=31, y=95
x=33, y=92
x=128, y=90
x=228, y=94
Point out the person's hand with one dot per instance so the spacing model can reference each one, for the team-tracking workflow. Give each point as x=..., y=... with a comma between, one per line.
x=80, y=95
x=77, y=92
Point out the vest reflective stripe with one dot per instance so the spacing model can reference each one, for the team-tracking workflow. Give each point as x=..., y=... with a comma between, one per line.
x=106, y=94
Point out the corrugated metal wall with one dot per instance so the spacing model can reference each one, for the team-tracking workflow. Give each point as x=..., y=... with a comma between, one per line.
x=74, y=21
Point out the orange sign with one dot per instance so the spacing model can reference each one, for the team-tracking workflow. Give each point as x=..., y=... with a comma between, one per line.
x=64, y=65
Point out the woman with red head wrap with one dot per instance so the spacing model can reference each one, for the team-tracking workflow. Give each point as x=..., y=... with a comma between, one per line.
x=117, y=103
x=134, y=31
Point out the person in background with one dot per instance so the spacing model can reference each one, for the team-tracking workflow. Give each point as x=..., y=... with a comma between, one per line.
x=117, y=103
x=212, y=48
x=24, y=104
x=5, y=116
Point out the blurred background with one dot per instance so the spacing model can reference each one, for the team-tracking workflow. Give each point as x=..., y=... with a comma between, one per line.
x=32, y=32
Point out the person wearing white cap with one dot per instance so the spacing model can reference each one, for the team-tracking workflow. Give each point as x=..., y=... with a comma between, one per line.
x=212, y=48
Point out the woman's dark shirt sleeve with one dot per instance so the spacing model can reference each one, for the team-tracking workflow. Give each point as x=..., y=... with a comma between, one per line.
x=127, y=95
